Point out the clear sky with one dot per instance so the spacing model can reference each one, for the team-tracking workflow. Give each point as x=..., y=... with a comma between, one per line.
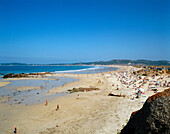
x=64, y=31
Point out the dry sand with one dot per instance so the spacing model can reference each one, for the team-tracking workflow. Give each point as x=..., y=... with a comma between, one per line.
x=91, y=113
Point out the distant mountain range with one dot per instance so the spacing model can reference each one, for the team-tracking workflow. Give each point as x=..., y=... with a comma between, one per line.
x=111, y=62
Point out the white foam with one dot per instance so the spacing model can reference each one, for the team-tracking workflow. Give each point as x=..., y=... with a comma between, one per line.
x=80, y=70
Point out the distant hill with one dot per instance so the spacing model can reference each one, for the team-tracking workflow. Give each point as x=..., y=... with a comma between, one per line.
x=128, y=62
x=13, y=64
x=111, y=62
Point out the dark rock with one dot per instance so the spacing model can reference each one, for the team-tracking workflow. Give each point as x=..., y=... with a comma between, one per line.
x=8, y=75
x=39, y=73
x=81, y=89
x=117, y=95
x=11, y=75
x=153, y=118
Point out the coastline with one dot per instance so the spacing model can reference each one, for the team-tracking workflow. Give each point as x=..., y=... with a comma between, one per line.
x=29, y=70
x=80, y=112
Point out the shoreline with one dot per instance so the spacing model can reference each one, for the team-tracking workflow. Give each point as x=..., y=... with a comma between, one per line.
x=93, y=68
x=80, y=112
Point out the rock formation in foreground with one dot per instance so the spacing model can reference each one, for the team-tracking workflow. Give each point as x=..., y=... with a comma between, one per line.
x=152, y=118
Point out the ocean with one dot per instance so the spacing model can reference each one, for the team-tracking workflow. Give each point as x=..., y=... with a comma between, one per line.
x=54, y=69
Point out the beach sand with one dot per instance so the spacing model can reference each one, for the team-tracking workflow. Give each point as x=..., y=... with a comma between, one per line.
x=4, y=84
x=91, y=112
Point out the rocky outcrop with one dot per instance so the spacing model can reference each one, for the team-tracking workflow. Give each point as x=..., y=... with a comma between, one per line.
x=39, y=73
x=11, y=75
x=153, y=118
x=153, y=70
x=8, y=75
x=81, y=89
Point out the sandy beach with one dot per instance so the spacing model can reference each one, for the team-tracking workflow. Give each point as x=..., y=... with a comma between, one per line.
x=92, y=112
x=84, y=66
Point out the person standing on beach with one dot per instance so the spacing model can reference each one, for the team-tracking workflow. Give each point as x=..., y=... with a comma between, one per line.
x=15, y=130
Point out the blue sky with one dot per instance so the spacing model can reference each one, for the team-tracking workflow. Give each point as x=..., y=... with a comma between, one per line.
x=64, y=31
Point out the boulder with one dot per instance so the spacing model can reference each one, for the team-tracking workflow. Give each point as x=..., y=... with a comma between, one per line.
x=11, y=75
x=152, y=118
x=8, y=75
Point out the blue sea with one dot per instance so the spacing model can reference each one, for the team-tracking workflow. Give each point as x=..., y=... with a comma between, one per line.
x=54, y=69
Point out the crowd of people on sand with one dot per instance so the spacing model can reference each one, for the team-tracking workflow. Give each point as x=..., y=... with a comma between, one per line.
x=131, y=80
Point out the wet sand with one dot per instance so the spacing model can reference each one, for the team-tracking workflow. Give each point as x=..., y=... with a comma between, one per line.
x=31, y=91
x=91, y=112
x=24, y=88
x=4, y=84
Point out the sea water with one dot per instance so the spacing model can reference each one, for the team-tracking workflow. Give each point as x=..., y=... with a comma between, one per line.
x=33, y=96
x=33, y=69
x=54, y=69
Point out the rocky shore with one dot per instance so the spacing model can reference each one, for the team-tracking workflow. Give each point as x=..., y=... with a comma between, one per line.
x=153, y=70
x=11, y=75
